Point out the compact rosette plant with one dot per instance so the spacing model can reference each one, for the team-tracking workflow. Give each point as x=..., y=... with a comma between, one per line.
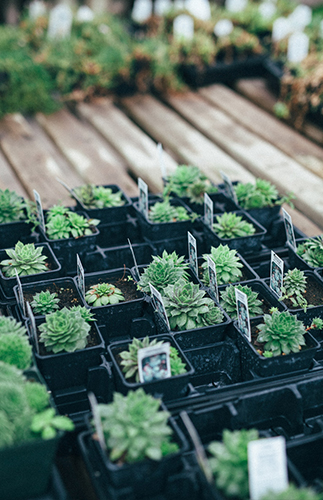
x=294, y=288
x=228, y=300
x=231, y=225
x=14, y=344
x=261, y=194
x=44, y=302
x=189, y=181
x=98, y=196
x=103, y=294
x=11, y=206
x=25, y=259
x=162, y=271
x=164, y=211
x=311, y=250
x=282, y=333
x=227, y=263
x=62, y=223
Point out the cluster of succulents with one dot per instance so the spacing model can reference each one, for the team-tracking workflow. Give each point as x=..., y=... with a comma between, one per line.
x=258, y=195
x=93, y=196
x=44, y=302
x=188, y=181
x=164, y=270
x=231, y=225
x=103, y=294
x=282, y=333
x=228, y=300
x=164, y=211
x=11, y=206
x=24, y=259
x=62, y=223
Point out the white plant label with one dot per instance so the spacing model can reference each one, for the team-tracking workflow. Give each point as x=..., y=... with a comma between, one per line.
x=192, y=253
x=267, y=466
x=154, y=363
x=142, y=10
x=213, y=285
x=300, y=17
x=183, y=27
x=97, y=420
x=267, y=10
x=33, y=328
x=159, y=305
x=143, y=197
x=21, y=295
x=162, y=6
x=243, y=313
x=71, y=191
x=84, y=14
x=200, y=10
x=229, y=187
x=161, y=161
x=223, y=28
x=276, y=274
x=289, y=228
x=281, y=28
x=80, y=275
x=37, y=9
x=60, y=22
x=134, y=260
x=40, y=213
x=235, y=5
x=208, y=211
x=298, y=46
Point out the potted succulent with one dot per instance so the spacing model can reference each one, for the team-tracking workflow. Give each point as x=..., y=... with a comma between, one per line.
x=15, y=348
x=17, y=219
x=308, y=254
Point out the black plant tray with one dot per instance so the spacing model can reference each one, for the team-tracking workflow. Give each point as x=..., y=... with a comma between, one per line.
x=12, y=232
x=121, y=255
x=221, y=203
x=297, y=261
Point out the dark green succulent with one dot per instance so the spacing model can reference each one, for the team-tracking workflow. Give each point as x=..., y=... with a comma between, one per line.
x=11, y=206
x=98, y=196
x=62, y=223
x=188, y=307
x=25, y=259
x=134, y=428
x=229, y=304
x=294, y=288
x=261, y=194
x=282, y=333
x=163, y=271
x=294, y=493
x=103, y=294
x=231, y=225
x=311, y=251
x=227, y=263
x=44, y=302
x=164, y=211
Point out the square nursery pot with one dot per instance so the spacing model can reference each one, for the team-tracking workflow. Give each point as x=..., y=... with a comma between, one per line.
x=305, y=454
x=67, y=293
x=64, y=370
x=12, y=232
x=265, y=216
x=164, y=230
x=119, y=256
x=170, y=388
x=221, y=203
x=277, y=365
x=54, y=271
x=243, y=244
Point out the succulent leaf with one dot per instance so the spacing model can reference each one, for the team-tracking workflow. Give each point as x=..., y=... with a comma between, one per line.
x=282, y=333
x=162, y=271
x=231, y=225
x=25, y=259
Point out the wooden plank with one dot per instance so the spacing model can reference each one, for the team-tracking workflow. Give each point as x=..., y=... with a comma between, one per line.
x=8, y=178
x=132, y=144
x=268, y=127
x=302, y=222
x=257, y=155
x=93, y=159
x=33, y=165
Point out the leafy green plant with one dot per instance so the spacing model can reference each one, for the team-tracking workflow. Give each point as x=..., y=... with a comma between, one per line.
x=25, y=259
x=62, y=223
x=14, y=348
x=47, y=423
x=229, y=462
x=228, y=300
x=44, y=302
x=163, y=271
x=64, y=330
x=98, y=196
x=86, y=314
x=134, y=428
x=294, y=287
x=102, y=294
x=188, y=307
x=188, y=181
x=311, y=250
x=10, y=325
x=261, y=194
x=293, y=493
x=164, y=211
x=129, y=358
x=11, y=206
x=227, y=263
x=231, y=225
x=282, y=333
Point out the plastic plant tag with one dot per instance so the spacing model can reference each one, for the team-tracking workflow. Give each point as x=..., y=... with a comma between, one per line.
x=80, y=275
x=243, y=313
x=143, y=197
x=192, y=253
x=208, y=211
x=235, y=5
x=60, y=22
x=200, y=10
x=276, y=274
x=21, y=295
x=229, y=187
x=298, y=46
x=97, y=420
x=281, y=28
x=223, y=27
x=70, y=190
x=142, y=10
x=33, y=328
x=267, y=10
x=154, y=363
x=198, y=447
x=300, y=17
x=213, y=285
x=134, y=260
x=161, y=161
x=37, y=9
x=84, y=14
x=267, y=466
x=162, y=6
x=40, y=214
x=159, y=305
x=183, y=27
x=289, y=228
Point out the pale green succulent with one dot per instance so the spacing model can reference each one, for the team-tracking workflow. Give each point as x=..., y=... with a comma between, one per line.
x=47, y=423
x=10, y=325
x=282, y=333
x=231, y=225
x=311, y=251
x=37, y=396
x=188, y=307
x=229, y=304
x=62, y=223
x=86, y=314
x=103, y=294
x=134, y=428
x=25, y=259
x=189, y=181
x=11, y=206
x=227, y=263
x=64, y=330
x=15, y=350
x=163, y=271
x=44, y=302
x=164, y=211
x=294, y=493
x=294, y=288
x=98, y=196
x=261, y=194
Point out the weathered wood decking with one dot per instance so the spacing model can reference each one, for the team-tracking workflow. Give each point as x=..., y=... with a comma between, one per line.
x=216, y=128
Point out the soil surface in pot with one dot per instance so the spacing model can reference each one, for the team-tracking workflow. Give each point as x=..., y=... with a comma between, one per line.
x=259, y=346
x=67, y=295
x=128, y=288
x=93, y=340
x=313, y=294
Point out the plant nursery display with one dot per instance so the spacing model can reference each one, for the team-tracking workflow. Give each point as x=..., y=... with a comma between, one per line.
x=62, y=223
x=93, y=196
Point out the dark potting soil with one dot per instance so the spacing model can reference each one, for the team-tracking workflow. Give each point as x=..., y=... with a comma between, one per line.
x=128, y=288
x=259, y=346
x=67, y=296
x=93, y=340
x=313, y=294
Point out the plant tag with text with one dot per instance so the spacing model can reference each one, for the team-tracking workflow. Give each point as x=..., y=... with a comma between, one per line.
x=159, y=305
x=84, y=14
x=289, y=228
x=192, y=253
x=154, y=363
x=80, y=275
x=70, y=190
x=208, y=211
x=60, y=22
x=267, y=466
x=40, y=213
x=143, y=197
x=235, y=5
x=21, y=295
x=276, y=274
x=161, y=161
x=243, y=313
x=281, y=28
x=33, y=328
x=134, y=260
x=37, y=9
x=183, y=27
x=213, y=286
x=229, y=187
x=142, y=10
x=298, y=46
x=97, y=420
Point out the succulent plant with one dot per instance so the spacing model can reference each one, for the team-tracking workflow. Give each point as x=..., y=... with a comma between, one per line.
x=10, y=325
x=10, y=373
x=86, y=314
x=25, y=259
x=228, y=300
x=164, y=211
x=261, y=194
x=37, y=396
x=44, y=302
x=229, y=462
x=188, y=181
x=62, y=223
x=227, y=264
x=188, y=307
x=15, y=350
x=129, y=358
x=11, y=206
x=231, y=225
x=163, y=271
x=294, y=288
x=311, y=250
x=134, y=428
x=58, y=227
x=294, y=493
x=14, y=405
x=64, y=330
x=98, y=196
x=47, y=423
x=102, y=294
x=282, y=333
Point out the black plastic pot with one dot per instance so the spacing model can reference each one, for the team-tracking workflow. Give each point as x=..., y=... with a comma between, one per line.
x=260, y=262
x=12, y=232
x=117, y=233
x=265, y=216
x=121, y=255
x=296, y=260
x=221, y=203
x=274, y=71
x=305, y=454
x=54, y=271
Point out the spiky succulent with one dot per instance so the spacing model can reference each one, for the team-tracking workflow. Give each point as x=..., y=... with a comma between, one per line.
x=11, y=206
x=231, y=225
x=229, y=462
x=44, y=302
x=163, y=271
x=188, y=307
x=15, y=350
x=98, y=196
x=10, y=325
x=103, y=294
x=293, y=493
x=134, y=428
x=64, y=330
x=311, y=250
x=164, y=211
x=227, y=264
x=129, y=358
x=189, y=181
x=228, y=300
x=62, y=223
x=294, y=288
x=282, y=333
x=86, y=314
x=261, y=194
x=37, y=396
x=25, y=259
